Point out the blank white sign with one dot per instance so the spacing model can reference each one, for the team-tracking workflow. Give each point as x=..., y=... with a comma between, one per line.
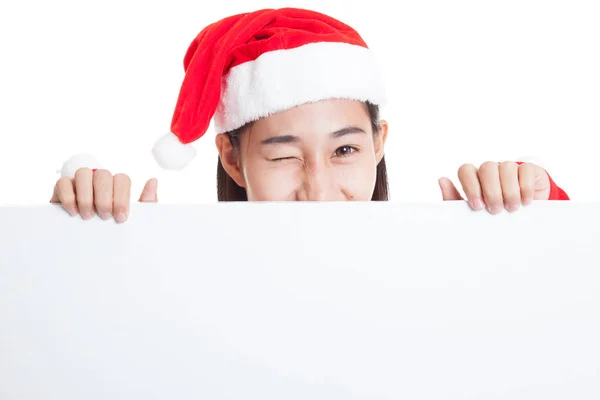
x=301, y=301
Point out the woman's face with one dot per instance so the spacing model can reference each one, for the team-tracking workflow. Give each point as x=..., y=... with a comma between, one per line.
x=322, y=151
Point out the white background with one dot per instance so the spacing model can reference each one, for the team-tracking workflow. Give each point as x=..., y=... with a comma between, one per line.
x=469, y=81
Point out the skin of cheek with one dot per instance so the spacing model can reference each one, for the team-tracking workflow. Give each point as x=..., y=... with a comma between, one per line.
x=267, y=181
x=357, y=180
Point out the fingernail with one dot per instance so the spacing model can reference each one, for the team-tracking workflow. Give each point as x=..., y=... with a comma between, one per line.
x=105, y=215
x=86, y=215
x=72, y=211
x=527, y=201
x=121, y=217
x=494, y=209
x=512, y=207
x=477, y=204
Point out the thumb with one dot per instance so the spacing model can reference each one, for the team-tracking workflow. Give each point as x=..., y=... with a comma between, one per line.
x=449, y=191
x=149, y=194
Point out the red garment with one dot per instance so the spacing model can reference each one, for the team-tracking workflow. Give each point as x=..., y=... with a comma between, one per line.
x=556, y=193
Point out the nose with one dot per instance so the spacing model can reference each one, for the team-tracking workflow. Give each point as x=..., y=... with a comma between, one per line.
x=316, y=191
x=316, y=184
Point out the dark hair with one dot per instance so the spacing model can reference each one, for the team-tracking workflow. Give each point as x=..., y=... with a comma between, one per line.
x=228, y=190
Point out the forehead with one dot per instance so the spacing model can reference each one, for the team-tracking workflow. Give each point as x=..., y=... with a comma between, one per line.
x=320, y=117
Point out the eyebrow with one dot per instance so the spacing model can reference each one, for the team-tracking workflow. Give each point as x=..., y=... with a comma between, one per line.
x=347, y=131
x=293, y=139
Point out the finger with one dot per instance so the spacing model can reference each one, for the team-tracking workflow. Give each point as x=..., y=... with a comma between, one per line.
x=489, y=179
x=64, y=193
x=527, y=174
x=84, y=192
x=509, y=181
x=103, y=193
x=150, y=192
x=467, y=174
x=121, y=197
x=449, y=191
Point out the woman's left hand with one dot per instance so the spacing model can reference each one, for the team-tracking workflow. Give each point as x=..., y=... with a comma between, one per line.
x=496, y=186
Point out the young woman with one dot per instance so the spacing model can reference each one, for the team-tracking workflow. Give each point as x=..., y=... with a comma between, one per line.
x=295, y=97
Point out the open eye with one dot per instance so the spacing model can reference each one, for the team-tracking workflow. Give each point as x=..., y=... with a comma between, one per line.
x=344, y=151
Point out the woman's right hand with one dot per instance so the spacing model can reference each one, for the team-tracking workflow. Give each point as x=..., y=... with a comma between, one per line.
x=99, y=192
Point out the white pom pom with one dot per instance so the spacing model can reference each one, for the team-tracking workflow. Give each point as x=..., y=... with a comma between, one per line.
x=77, y=162
x=170, y=153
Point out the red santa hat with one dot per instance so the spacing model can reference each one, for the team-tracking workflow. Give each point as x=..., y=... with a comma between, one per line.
x=249, y=66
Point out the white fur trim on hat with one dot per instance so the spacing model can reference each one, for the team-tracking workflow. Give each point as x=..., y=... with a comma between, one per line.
x=282, y=79
x=77, y=162
x=170, y=153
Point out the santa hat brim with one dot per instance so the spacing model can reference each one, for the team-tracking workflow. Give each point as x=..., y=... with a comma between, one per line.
x=279, y=80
